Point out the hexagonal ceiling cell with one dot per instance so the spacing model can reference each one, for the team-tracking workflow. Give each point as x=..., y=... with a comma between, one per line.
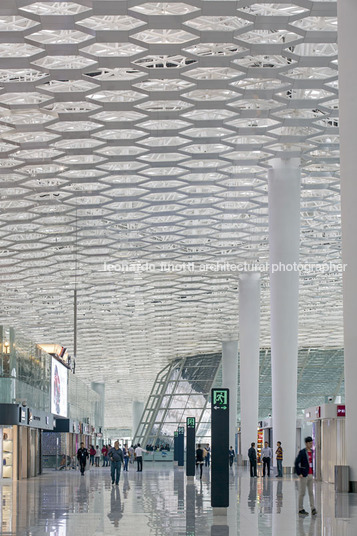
x=146, y=136
x=54, y=8
x=164, y=8
x=111, y=23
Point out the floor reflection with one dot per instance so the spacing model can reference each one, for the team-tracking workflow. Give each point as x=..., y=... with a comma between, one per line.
x=252, y=496
x=82, y=499
x=116, y=506
x=220, y=530
x=307, y=527
x=190, y=508
x=161, y=501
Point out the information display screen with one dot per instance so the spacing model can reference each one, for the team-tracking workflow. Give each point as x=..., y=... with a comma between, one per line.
x=58, y=388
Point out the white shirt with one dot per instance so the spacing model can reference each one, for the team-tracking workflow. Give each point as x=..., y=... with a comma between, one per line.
x=97, y=452
x=267, y=452
x=139, y=451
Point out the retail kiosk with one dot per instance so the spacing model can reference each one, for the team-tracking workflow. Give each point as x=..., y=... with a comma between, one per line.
x=328, y=432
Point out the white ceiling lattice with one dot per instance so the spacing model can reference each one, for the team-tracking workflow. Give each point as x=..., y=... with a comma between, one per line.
x=141, y=132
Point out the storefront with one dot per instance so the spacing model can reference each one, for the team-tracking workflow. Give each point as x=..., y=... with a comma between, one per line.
x=20, y=441
x=8, y=445
x=60, y=446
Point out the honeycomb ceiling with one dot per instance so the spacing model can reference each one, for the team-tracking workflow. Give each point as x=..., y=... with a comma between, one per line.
x=141, y=132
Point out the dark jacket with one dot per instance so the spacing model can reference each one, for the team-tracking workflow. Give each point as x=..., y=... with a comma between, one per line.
x=116, y=455
x=82, y=455
x=302, y=463
x=252, y=454
x=199, y=455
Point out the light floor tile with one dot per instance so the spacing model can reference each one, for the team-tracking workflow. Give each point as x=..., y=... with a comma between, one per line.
x=160, y=502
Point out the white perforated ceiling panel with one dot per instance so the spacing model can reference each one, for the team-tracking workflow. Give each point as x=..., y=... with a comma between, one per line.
x=141, y=132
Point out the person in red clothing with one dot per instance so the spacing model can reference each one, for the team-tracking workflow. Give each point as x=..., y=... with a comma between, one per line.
x=92, y=454
x=305, y=470
x=105, y=456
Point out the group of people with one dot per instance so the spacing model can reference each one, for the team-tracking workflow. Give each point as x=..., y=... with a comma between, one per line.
x=118, y=458
x=94, y=455
x=303, y=468
x=203, y=457
x=153, y=448
x=266, y=457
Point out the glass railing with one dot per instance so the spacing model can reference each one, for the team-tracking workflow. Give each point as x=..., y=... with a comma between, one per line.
x=15, y=391
x=25, y=376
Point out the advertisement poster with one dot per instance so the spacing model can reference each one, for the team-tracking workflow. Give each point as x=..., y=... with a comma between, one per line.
x=58, y=389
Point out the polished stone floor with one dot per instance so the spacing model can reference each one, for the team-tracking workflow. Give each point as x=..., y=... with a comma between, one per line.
x=159, y=501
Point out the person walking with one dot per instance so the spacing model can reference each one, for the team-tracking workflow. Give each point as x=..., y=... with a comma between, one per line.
x=279, y=459
x=207, y=455
x=97, y=456
x=252, y=455
x=82, y=455
x=231, y=454
x=131, y=454
x=139, y=457
x=199, y=459
x=126, y=457
x=305, y=470
x=116, y=461
x=267, y=455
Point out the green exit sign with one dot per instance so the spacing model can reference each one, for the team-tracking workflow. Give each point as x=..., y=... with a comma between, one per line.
x=181, y=430
x=220, y=399
x=191, y=422
x=175, y=434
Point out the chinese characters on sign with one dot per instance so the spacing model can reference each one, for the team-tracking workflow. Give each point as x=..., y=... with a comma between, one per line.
x=191, y=422
x=220, y=447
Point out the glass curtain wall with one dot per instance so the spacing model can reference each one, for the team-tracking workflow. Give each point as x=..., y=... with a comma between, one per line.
x=182, y=389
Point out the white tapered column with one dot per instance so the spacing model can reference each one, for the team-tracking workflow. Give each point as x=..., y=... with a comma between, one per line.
x=137, y=409
x=249, y=334
x=230, y=381
x=284, y=244
x=347, y=16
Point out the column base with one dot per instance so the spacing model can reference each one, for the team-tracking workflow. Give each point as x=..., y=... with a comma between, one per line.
x=353, y=486
x=176, y=463
x=220, y=512
x=190, y=478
